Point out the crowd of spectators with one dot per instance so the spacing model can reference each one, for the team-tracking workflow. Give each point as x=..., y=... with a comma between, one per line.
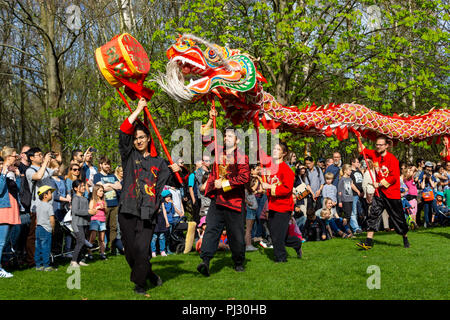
x=71, y=211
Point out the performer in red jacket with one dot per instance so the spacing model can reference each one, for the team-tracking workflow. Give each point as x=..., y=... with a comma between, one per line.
x=281, y=203
x=226, y=189
x=388, y=198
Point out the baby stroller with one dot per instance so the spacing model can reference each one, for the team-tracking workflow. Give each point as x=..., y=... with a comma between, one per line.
x=177, y=237
x=407, y=211
x=442, y=216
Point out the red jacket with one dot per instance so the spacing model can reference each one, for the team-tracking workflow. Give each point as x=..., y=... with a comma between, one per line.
x=387, y=171
x=280, y=196
x=232, y=193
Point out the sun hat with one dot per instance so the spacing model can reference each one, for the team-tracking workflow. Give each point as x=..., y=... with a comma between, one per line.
x=44, y=189
x=166, y=193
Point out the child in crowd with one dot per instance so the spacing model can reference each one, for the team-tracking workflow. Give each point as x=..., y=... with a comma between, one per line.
x=223, y=243
x=162, y=225
x=45, y=221
x=294, y=230
x=201, y=231
x=267, y=241
x=80, y=220
x=169, y=207
x=315, y=229
x=329, y=189
x=335, y=222
x=252, y=208
x=408, y=180
x=345, y=192
x=205, y=201
x=443, y=213
x=325, y=216
x=97, y=208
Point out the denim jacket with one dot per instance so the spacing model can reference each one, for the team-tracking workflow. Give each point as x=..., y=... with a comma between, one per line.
x=4, y=193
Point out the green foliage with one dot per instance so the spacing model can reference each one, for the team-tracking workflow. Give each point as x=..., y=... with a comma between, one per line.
x=308, y=53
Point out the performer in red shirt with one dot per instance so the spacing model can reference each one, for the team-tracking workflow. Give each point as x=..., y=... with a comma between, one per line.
x=387, y=182
x=281, y=203
x=226, y=189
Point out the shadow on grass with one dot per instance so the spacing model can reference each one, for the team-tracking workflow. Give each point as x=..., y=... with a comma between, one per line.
x=171, y=269
x=389, y=244
x=442, y=234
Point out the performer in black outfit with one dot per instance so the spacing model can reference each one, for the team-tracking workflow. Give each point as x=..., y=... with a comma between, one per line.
x=144, y=176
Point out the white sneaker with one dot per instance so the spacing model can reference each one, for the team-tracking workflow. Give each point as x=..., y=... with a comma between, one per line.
x=153, y=254
x=250, y=248
x=163, y=253
x=83, y=264
x=5, y=274
x=263, y=244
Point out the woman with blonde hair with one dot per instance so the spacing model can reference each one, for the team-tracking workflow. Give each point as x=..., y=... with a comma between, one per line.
x=9, y=195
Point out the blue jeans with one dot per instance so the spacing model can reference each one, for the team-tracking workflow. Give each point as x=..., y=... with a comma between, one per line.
x=257, y=230
x=43, y=246
x=301, y=222
x=354, y=218
x=428, y=208
x=162, y=241
x=337, y=225
x=4, y=231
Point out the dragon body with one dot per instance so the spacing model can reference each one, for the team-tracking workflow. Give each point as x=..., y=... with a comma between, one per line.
x=232, y=77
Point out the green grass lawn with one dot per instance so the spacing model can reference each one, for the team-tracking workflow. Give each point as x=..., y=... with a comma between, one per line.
x=334, y=269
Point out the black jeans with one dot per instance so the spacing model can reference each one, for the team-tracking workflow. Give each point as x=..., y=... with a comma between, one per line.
x=394, y=209
x=217, y=218
x=80, y=244
x=278, y=226
x=136, y=237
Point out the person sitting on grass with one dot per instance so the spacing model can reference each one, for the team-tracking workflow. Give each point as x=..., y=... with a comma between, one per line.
x=223, y=243
x=325, y=216
x=315, y=229
x=45, y=224
x=335, y=222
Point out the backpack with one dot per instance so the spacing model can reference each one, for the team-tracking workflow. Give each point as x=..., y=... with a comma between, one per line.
x=427, y=194
x=25, y=195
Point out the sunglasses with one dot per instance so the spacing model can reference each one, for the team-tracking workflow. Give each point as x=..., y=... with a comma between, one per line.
x=75, y=169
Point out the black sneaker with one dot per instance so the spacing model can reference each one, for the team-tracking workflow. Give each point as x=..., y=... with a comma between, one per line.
x=203, y=268
x=239, y=268
x=155, y=280
x=406, y=243
x=299, y=253
x=364, y=245
x=103, y=257
x=281, y=261
x=139, y=290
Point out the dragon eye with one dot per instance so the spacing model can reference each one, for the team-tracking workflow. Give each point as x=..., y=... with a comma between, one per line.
x=212, y=54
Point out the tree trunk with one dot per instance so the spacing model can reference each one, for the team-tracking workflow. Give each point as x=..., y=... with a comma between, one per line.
x=54, y=88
